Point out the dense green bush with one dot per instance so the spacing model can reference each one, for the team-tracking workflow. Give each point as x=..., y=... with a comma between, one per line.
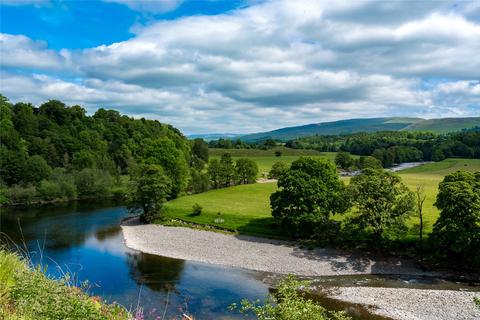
x=277, y=169
x=288, y=303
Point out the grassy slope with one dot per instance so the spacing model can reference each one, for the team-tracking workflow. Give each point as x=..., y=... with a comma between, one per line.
x=266, y=158
x=246, y=208
x=444, y=125
x=27, y=294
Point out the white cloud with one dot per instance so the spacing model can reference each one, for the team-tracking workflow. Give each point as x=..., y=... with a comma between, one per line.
x=150, y=6
x=287, y=62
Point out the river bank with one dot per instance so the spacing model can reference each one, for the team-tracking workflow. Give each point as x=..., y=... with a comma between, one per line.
x=259, y=254
x=282, y=257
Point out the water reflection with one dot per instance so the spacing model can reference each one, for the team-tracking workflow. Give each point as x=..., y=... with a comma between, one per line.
x=84, y=239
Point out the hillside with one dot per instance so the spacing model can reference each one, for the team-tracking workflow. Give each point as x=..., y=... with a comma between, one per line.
x=367, y=125
x=444, y=125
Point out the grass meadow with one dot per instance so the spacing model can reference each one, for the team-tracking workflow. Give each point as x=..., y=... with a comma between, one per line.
x=266, y=158
x=246, y=208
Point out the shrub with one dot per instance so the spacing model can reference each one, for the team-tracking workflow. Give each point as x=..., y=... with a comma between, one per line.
x=49, y=190
x=277, y=169
x=278, y=153
x=289, y=303
x=197, y=209
x=21, y=195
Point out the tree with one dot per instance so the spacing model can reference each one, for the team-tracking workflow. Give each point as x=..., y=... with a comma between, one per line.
x=246, y=170
x=369, y=162
x=278, y=153
x=36, y=169
x=343, y=160
x=200, y=149
x=152, y=188
x=420, y=197
x=214, y=170
x=277, y=169
x=199, y=181
x=309, y=192
x=383, y=202
x=456, y=233
x=227, y=170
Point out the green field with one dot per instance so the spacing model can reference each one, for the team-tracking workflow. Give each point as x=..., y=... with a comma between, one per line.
x=266, y=158
x=246, y=208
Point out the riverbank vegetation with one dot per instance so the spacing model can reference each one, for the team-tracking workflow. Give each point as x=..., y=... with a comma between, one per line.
x=287, y=303
x=246, y=209
x=58, y=153
x=26, y=293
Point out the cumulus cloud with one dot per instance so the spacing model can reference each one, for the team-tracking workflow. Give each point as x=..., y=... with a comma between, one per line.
x=291, y=62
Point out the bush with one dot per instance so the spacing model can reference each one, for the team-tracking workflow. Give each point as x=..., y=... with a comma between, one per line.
x=49, y=190
x=93, y=182
x=277, y=169
x=278, y=153
x=21, y=195
x=289, y=303
x=197, y=209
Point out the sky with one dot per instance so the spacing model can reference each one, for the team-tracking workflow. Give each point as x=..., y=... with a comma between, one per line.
x=244, y=66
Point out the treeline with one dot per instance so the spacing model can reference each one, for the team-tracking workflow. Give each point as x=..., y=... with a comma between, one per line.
x=379, y=204
x=57, y=152
x=221, y=173
x=240, y=144
x=397, y=146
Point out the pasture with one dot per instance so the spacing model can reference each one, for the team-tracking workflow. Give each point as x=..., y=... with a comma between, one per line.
x=246, y=208
x=266, y=158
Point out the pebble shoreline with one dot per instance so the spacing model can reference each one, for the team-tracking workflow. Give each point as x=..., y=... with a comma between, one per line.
x=287, y=258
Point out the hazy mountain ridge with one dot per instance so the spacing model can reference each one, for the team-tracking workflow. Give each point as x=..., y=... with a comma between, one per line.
x=441, y=125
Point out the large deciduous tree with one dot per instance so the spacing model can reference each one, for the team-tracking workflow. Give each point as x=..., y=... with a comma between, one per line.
x=246, y=170
x=382, y=201
x=309, y=192
x=456, y=233
x=152, y=187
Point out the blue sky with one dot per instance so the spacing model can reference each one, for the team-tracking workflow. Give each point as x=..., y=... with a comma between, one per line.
x=245, y=66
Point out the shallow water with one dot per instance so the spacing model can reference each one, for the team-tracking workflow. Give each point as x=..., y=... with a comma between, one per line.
x=85, y=240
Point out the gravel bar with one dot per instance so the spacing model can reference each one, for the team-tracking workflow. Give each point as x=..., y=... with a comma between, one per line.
x=413, y=304
x=258, y=253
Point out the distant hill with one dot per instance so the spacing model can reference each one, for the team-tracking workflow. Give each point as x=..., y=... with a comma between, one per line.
x=444, y=125
x=367, y=125
x=214, y=136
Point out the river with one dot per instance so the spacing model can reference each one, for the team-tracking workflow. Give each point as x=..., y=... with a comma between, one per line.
x=86, y=241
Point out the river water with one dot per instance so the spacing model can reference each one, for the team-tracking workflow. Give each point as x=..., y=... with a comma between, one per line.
x=85, y=241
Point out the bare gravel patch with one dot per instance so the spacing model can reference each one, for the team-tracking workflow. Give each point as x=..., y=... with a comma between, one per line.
x=413, y=304
x=258, y=253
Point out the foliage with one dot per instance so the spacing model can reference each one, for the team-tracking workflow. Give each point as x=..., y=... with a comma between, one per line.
x=365, y=162
x=382, y=201
x=278, y=168
x=199, y=181
x=278, y=153
x=246, y=170
x=214, y=172
x=476, y=300
x=199, y=154
x=152, y=187
x=26, y=293
x=456, y=233
x=344, y=160
x=34, y=142
x=289, y=302
x=397, y=146
x=197, y=209
x=227, y=170
x=309, y=192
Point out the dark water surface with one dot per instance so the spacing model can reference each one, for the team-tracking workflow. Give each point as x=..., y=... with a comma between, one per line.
x=86, y=241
